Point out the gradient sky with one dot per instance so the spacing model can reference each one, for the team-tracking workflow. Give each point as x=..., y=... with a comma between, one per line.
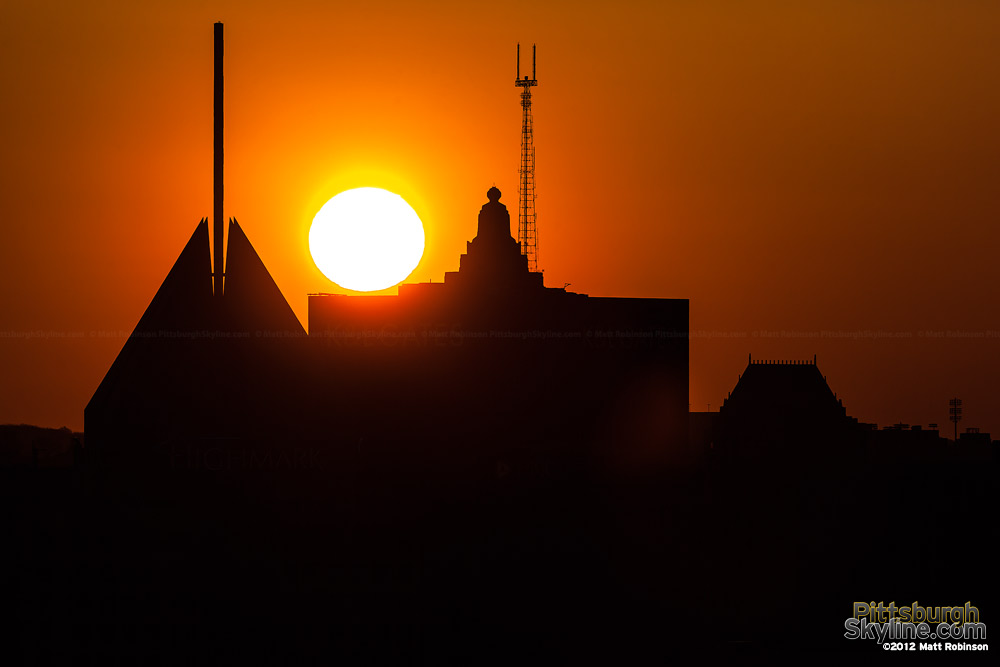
x=816, y=177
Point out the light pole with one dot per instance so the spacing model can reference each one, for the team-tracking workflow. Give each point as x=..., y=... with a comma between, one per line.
x=955, y=414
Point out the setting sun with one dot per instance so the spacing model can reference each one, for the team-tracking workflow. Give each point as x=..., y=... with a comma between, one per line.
x=366, y=239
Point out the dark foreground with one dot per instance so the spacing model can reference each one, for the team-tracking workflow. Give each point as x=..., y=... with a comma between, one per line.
x=296, y=561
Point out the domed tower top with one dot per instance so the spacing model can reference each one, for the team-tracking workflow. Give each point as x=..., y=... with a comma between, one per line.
x=494, y=219
x=493, y=262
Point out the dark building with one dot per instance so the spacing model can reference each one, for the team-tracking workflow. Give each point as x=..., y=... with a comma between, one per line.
x=783, y=413
x=900, y=442
x=512, y=361
x=972, y=436
x=489, y=368
x=198, y=366
x=468, y=460
x=782, y=410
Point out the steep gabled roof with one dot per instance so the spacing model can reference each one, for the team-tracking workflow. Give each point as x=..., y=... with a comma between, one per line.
x=184, y=300
x=179, y=358
x=253, y=301
x=182, y=305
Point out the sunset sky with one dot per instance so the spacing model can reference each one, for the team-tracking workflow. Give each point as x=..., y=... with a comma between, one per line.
x=816, y=177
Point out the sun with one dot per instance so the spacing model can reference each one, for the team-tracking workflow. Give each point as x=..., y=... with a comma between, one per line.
x=366, y=239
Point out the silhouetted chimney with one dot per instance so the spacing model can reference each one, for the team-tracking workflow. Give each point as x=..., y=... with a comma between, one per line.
x=219, y=265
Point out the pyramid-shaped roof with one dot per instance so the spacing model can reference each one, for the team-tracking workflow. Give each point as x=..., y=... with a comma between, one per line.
x=253, y=301
x=181, y=306
x=191, y=348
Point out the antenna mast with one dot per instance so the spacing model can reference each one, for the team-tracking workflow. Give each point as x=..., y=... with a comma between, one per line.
x=527, y=234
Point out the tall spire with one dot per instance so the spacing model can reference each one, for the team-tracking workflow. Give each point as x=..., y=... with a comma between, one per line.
x=218, y=221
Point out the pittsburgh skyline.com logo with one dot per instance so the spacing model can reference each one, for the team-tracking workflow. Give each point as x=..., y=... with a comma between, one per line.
x=918, y=628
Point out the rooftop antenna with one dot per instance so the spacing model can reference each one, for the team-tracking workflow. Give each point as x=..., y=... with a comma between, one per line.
x=527, y=234
x=218, y=226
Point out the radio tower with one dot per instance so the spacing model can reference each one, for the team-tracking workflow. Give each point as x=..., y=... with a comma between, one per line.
x=527, y=234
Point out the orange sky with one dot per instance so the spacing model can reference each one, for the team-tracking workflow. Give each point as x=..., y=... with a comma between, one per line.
x=796, y=167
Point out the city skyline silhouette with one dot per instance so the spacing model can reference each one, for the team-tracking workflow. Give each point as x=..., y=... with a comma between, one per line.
x=483, y=465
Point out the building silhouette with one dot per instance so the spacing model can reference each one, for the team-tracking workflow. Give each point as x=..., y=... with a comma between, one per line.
x=782, y=414
x=586, y=376
x=488, y=366
x=783, y=410
x=188, y=349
